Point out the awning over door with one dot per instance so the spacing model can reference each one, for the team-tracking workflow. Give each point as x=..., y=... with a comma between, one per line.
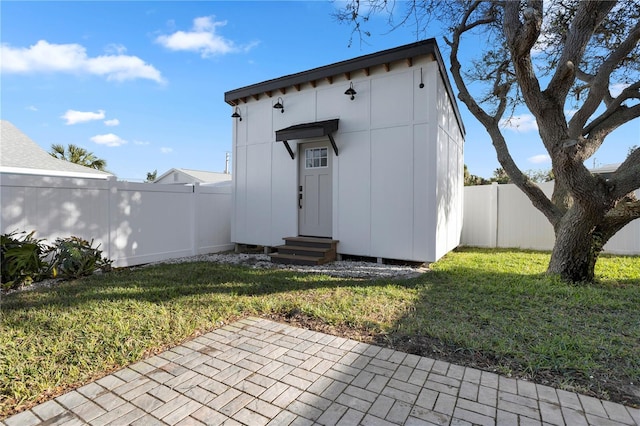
x=317, y=129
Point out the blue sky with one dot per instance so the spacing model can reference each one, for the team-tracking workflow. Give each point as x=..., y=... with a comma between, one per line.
x=141, y=84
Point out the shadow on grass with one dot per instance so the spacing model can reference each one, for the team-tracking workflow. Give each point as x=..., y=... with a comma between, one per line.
x=522, y=324
x=167, y=282
x=581, y=338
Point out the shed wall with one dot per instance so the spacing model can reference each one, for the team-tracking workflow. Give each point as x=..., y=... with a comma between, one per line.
x=385, y=179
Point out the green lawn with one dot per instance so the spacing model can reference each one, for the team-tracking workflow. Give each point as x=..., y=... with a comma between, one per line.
x=491, y=308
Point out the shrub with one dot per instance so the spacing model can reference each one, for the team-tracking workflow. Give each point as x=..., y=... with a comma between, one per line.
x=75, y=257
x=22, y=259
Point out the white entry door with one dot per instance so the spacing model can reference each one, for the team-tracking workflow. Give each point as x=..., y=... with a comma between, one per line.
x=314, y=190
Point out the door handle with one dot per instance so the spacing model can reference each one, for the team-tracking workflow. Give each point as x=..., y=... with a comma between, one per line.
x=300, y=200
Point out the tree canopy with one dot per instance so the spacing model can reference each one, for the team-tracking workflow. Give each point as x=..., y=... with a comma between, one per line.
x=575, y=66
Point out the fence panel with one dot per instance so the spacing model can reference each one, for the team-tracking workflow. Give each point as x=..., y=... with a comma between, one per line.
x=213, y=219
x=138, y=223
x=502, y=216
x=480, y=216
x=134, y=223
x=519, y=223
x=55, y=207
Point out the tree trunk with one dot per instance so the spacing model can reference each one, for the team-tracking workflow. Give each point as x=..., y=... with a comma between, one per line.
x=578, y=245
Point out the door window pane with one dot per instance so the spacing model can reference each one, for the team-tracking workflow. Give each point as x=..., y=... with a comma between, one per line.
x=316, y=157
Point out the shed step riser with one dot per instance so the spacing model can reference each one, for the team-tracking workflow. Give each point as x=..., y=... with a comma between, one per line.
x=305, y=251
x=289, y=259
x=310, y=242
x=301, y=251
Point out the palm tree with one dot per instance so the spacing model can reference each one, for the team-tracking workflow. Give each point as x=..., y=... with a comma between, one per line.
x=78, y=155
x=151, y=176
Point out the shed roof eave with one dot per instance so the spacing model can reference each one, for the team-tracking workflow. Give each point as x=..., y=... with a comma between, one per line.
x=420, y=48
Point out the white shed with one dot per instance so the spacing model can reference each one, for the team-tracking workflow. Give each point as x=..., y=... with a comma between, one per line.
x=366, y=153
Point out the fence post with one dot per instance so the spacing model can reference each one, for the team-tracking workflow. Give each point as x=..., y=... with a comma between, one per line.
x=195, y=249
x=112, y=219
x=493, y=214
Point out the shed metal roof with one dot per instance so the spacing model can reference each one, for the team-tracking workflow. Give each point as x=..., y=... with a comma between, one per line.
x=406, y=53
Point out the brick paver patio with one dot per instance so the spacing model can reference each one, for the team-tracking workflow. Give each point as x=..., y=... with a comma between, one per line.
x=258, y=372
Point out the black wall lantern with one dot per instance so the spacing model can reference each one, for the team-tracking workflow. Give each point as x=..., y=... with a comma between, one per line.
x=279, y=105
x=236, y=114
x=351, y=92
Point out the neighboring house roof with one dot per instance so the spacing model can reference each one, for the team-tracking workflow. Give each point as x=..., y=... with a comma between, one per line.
x=606, y=169
x=183, y=176
x=386, y=57
x=20, y=154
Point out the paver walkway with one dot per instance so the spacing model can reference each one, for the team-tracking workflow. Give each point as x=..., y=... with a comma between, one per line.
x=258, y=372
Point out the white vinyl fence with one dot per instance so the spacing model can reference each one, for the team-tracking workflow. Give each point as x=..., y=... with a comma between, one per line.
x=137, y=223
x=134, y=223
x=502, y=216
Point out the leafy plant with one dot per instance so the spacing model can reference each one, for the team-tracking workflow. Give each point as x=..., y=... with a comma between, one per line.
x=75, y=257
x=22, y=259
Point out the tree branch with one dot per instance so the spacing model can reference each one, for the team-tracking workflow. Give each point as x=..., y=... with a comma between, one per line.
x=599, y=83
x=627, y=178
x=588, y=17
x=491, y=124
x=625, y=211
x=603, y=126
x=614, y=107
x=521, y=39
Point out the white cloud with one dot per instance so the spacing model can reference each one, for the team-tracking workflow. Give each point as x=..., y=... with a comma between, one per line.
x=112, y=122
x=539, y=159
x=72, y=58
x=136, y=142
x=166, y=150
x=75, y=117
x=115, y=49
x=520, y=123
x=617, y=88
x=109, y=140
x=202, y=39
x=31, y=108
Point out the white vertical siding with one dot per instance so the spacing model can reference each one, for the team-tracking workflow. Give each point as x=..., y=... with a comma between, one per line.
x=392, y=193
x=450, y=175
x=239, y=212
x=384, y=179
x=258, y=190
x=424, y=193
x=354, y=194
x=284, y=195
x=391, y=96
